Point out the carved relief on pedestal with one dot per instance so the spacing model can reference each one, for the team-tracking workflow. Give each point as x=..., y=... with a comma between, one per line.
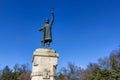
x=44, y=64
x=46, y=74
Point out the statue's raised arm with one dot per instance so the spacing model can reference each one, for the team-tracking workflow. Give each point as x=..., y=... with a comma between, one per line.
x=52, y=18
x=47, y=33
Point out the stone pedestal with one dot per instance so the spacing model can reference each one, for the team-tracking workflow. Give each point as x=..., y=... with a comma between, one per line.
x=44, y=64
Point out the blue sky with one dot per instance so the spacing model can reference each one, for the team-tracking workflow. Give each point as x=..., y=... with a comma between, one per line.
x=83, y=30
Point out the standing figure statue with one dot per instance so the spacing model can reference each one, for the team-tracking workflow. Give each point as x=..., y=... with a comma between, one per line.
x=47, y=34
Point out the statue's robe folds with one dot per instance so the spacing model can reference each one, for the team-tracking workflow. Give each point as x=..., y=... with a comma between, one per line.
x=47, y=33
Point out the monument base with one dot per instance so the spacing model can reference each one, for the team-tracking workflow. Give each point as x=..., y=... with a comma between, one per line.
x=44, y=64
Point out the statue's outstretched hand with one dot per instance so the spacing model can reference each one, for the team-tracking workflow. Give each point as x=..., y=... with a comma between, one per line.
x=41, y=28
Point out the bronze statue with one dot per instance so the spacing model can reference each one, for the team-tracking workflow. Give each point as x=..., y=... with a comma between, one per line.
x=47, y=34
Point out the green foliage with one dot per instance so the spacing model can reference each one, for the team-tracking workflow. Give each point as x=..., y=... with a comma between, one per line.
x=6, y=74
x=106, y=69
x=20, y=72
x=61, y=77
